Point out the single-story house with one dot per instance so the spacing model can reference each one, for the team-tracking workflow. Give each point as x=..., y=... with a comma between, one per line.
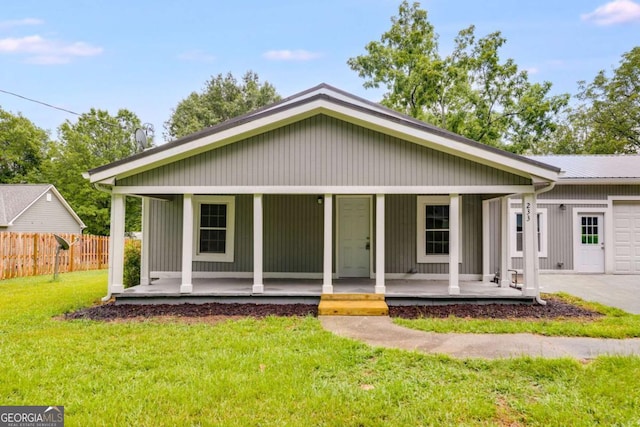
x=36, y=208
x=320, y=187
x=588, y=223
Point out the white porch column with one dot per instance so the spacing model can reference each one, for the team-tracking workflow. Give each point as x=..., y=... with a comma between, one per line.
x=505, y=251
x=486, y=242
x=144, y=250
x=116, y=257
x=258, y=286
x=530, y=244
x=454, y=241
x=187, y=244
x=380, y=245
x=327, y=265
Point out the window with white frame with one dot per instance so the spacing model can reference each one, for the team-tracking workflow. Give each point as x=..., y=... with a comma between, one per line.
x=517, y=232
x=214, y=228
x=433, y=229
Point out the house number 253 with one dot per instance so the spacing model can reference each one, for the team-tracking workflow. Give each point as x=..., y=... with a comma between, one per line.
x=528, y=212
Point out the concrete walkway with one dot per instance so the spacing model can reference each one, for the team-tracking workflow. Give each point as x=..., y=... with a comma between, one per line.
x=615, y=290
x=381, y=332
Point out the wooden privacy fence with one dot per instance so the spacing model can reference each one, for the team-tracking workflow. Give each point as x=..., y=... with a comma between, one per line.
x=32, y=254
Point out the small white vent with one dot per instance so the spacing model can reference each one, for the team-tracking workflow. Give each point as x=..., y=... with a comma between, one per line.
x=48, y=197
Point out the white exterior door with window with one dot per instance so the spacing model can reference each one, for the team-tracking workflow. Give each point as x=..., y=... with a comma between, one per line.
x=590, y=243
x=354, y=232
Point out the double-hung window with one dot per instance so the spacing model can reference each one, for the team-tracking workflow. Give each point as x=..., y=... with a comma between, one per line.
x=433, y=229
x=214, y=227
x=517, y=232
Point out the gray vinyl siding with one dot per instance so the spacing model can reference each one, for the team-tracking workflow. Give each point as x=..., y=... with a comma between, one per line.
x=401, y=236
x=322, y=151
x=559, y=237
x=46, y=217
x=293, y=235
x=588, y=192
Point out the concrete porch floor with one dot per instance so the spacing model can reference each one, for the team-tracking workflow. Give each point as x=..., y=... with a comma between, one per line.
x=309, y=290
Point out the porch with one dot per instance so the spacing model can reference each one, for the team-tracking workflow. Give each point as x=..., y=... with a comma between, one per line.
x=308, y=291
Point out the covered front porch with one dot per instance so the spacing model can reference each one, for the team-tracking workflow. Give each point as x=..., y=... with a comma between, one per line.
x=398, y=291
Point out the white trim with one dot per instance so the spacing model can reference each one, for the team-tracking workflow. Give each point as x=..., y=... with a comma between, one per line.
x=570, y=202
x=454, y=244
x=380, y=244
x=116, y=266
x=576, y=231
x=421, y=202
x=228, y=255
x=258, y=286
x=187, y=244
x=371, y=235
x=486, y=242
x=505, y=243
x=145, y=244
x=530, y=245
x=386, y=124
x=327, y=252
x=599, y=181
x=324, y=189
x=310, y=276
x=544, y=232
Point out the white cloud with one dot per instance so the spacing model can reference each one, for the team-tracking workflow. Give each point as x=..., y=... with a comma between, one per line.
x=532, y=70
x=20, y=23
x=40, y=50
x=291, y=55
x=197, y=56
x=615, y=12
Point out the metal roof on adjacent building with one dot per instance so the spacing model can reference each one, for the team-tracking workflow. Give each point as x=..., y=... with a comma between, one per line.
x=594, y=167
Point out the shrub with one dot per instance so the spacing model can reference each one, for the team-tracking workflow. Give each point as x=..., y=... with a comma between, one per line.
x=131, y=263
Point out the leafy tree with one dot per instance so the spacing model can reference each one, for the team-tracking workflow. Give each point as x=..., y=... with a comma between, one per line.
x=222, y=98
x=470, y=92
x=95, y=139
x=608, y=118
x=22, y=147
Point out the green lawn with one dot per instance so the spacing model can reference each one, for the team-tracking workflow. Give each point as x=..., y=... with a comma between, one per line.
x=274, y=372
x=614, y=324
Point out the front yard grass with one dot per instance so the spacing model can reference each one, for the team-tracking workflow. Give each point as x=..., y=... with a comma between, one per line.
x=275, y=372
x=614, y=323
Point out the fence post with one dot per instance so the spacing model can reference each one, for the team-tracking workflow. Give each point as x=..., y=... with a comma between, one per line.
x=71, y=254
x=35, y=254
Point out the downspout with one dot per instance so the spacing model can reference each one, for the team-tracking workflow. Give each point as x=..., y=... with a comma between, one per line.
x=540, y=191
x=104, y=189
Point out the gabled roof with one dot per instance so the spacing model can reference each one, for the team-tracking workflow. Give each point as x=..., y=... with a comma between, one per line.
x=323, y=99
x=16, y=199
x=609, y=168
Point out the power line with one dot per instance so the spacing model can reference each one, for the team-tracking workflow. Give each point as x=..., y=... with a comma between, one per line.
x=55, y=107
x=40, y=102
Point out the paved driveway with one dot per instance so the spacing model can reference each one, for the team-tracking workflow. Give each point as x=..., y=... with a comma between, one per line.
x=622, y=291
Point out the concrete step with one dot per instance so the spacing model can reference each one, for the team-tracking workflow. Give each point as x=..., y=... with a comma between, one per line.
x=352, y=305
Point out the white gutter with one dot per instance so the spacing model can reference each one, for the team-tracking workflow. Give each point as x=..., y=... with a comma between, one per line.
x=540, y=191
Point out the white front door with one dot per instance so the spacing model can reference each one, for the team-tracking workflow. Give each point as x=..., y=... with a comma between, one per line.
x=354, y=242
x=590, y=243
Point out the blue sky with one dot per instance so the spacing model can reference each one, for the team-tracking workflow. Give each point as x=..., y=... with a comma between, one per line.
x=148, y=55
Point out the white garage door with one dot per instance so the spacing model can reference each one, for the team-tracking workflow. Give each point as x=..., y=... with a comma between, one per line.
x=626, y=223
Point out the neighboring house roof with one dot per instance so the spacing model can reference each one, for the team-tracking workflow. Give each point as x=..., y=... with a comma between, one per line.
x=16, y=199
x=323, y=99
x=609, y=168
